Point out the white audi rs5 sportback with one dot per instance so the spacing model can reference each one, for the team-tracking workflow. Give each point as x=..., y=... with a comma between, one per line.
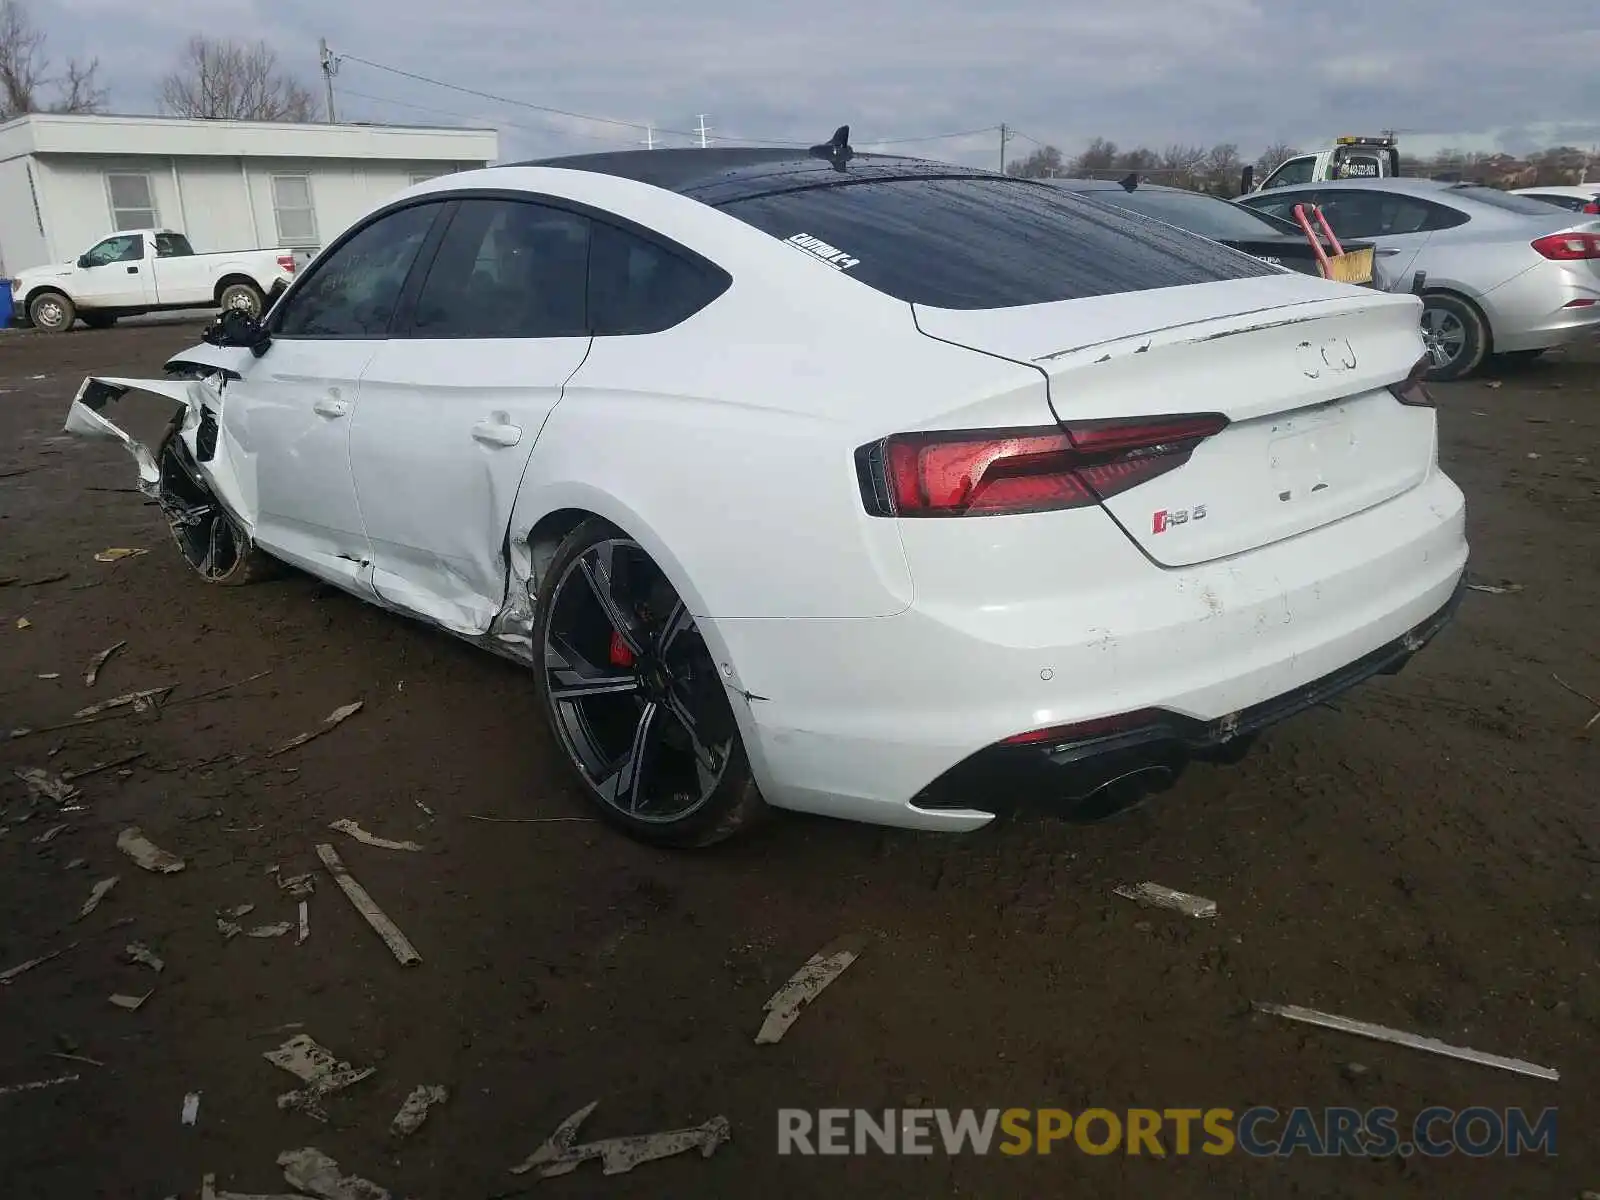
x=854, y=484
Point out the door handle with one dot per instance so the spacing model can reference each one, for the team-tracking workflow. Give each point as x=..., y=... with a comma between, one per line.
x=328, y=406
x=133, y=270
x=497, y=433
x=1387, y=251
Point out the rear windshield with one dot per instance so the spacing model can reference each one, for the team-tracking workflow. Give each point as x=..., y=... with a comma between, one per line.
x=1208, y=216
x=987, y=242
x=1495, y=198
x=172, y=245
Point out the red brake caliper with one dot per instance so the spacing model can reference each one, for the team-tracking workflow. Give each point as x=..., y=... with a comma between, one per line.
x=621, y=656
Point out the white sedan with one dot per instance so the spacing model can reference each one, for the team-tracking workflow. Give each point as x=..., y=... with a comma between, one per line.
x=852, y=484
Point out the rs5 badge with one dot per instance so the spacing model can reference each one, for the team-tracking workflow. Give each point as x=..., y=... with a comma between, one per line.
x=1166, y=518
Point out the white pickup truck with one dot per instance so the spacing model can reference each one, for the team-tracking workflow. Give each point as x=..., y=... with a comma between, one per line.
x=147, y=270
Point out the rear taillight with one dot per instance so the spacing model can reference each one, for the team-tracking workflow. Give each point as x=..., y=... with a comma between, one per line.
x=1568, y=247
x=1593, y=207
x=286, y=261
x=1083, y=731
x=987, y=472
x=1412, y=390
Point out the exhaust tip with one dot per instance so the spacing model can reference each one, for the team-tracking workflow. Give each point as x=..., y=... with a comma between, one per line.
x=1121, y=794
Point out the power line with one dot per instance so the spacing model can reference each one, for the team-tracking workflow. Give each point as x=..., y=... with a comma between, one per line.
x=460, y=116
x=644, y=127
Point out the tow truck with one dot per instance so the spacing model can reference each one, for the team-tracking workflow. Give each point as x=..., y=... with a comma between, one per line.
x=1350, y=157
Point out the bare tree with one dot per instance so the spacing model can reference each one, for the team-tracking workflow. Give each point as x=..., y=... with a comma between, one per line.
x=1100, y=156
x=1182, y=166
x=1137, y=161
x=1043, y=163
x=1273, y=157
x=79, y=89
x=227, y=80
x=1222, y=168
x=24, y=71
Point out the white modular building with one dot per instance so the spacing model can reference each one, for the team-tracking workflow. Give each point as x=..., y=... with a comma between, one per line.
x=66, y=181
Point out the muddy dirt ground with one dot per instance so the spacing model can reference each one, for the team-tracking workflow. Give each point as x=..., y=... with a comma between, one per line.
x=1423, y=855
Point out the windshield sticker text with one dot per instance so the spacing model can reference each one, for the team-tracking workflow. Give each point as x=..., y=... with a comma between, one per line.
x=831, y=255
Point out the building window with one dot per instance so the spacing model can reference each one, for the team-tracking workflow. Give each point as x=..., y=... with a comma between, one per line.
x=133, y=204
x=291, y=204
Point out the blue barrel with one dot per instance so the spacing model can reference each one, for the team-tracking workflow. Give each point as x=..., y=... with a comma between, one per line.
x=5, y=303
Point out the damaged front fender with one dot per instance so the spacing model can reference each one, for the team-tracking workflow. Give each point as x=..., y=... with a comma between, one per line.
x=209, y=471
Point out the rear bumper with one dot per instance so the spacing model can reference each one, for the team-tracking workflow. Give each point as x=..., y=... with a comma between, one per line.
x=859, y=718
x=1531, y=312
x=1073, y=775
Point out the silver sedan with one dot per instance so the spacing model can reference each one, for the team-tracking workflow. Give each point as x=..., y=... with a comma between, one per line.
x=1505, y=275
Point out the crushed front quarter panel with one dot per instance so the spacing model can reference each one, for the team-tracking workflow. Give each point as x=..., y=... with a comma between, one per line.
x=86, y=418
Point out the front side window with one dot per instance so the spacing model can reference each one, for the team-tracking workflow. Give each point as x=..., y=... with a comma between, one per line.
x=506, y=269
x=637, y=286
x=986, y=242
x=293, y=210
x=1295, y=171
x=133, y=204
x=127, y=248
x=352, y=293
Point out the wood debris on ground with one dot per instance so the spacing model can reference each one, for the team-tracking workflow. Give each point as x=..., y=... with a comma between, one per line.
x=92, y=672
x=311, y=1171
x=1414, y=1041
x=96, y=894
x=118, y=553
x=12, y=1088
x=106, y=765
x=140, y=701
x=404, y=952
x=318, y=1068
x=415, y=1109
x=138, y=952
x=296, y=885
x=347, y=826
x=804, y=986
x=44, y=786
x=276, y=929
x=332, y=721
x=132, y=842
x=561, y=1153
x=1153, y=895
x=191, y=1109
x=131, y=1003
x=50, y=835
x=305, y=923
x=11, y=973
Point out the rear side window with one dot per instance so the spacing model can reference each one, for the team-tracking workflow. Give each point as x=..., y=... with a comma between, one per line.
x=987, y=243
x=638, y=286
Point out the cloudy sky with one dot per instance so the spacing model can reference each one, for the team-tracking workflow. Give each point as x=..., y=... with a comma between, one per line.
x=1481, y=74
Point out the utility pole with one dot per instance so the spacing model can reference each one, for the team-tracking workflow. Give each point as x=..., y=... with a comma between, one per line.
x=649, y=142
x=330, y=64
x=702, y=131
x=1005, y=136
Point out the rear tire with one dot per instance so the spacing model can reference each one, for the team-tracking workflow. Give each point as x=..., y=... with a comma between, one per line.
x=52, y=312
x=214, y=545
x=634, y=698
x=1456, y=335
